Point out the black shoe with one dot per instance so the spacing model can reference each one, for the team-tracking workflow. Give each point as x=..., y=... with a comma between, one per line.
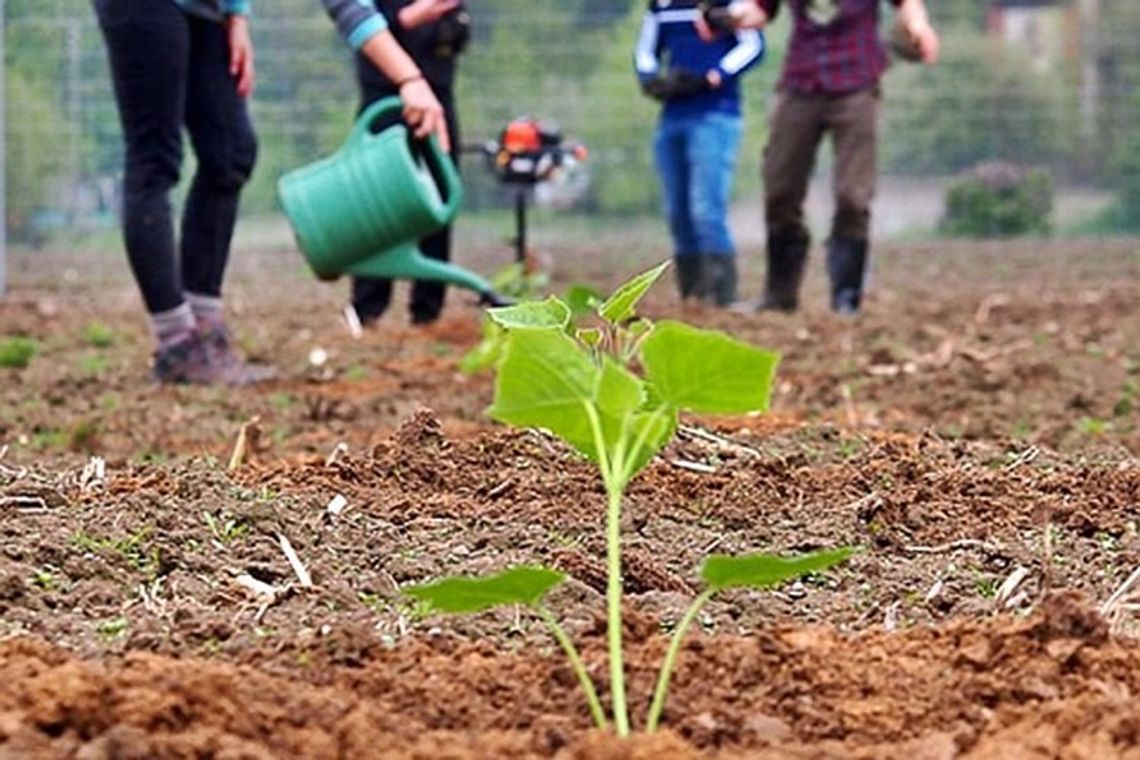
x=787, y=259
x=846, y=265
x=689, y=278
x=720, y=278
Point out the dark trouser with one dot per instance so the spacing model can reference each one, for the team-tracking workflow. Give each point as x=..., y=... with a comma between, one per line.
x=371, y=295
x=172, y=70
x=798, y=123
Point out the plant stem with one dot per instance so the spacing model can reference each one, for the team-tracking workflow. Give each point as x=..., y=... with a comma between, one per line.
x=614, y=486
x=579, y=668
x=613, y=605
x=659, y=693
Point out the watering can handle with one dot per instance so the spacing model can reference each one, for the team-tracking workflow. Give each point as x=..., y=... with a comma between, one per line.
x=390, y=106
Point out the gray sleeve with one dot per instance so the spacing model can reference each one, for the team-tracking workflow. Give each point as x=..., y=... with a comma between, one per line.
x=357, y=20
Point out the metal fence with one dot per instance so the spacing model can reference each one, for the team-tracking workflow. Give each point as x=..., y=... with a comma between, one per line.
x=1047, y=84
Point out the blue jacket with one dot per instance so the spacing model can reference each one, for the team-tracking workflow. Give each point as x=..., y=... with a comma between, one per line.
x=357, y=20
x=668, y=40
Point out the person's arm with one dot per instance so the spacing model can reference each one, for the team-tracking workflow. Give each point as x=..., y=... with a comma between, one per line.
x=424, y=12
x=747, y=52
x=367, y=31
x=236, y=14
x=647, y=53
x=421, y=107
x=916, y=21
x=739, y=14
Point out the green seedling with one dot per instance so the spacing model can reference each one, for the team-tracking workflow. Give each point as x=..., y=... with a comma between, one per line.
x=16, y=351
x=613, y=389
x=112, y=629
x=98, y=335
x=225, y=530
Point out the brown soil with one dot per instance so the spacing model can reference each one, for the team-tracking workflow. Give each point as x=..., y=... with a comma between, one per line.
x=964, y=435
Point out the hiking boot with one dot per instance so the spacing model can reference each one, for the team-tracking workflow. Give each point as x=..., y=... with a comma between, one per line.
x=688, y=270
x=846, y=265
x=719, y=276
x=787, y=259
x=234, y=369
x=187, y=362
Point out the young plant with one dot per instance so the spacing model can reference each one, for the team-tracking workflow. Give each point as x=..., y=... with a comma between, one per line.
x=613, y=391
x=16, y=351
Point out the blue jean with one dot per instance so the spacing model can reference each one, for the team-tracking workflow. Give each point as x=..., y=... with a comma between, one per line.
x=696, y=158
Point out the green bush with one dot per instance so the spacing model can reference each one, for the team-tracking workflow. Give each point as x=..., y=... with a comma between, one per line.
x=999, y=200
x=34, y=157
x=16, y=351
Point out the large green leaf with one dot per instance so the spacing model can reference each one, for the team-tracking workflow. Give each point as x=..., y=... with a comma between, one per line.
x=519, y=585
x=707, y=371
x=622, y=304
x=549, y=313
x=721, y=571
x=546, y=379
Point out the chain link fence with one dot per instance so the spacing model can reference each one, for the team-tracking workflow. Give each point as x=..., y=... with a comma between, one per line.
x=1053, y=86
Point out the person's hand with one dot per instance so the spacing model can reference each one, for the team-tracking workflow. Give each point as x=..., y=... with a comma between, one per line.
x=915, y=22
x=241, y=54
x=423, y=111
x=926, y=39
x=425, y=12
x=655, y=88
x=714, y=79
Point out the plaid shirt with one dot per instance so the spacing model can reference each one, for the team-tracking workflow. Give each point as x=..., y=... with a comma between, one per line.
x=835, y=46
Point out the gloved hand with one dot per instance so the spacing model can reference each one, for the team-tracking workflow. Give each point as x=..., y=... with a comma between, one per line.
x=655, y=88
x=675, y=85
x=718, y=17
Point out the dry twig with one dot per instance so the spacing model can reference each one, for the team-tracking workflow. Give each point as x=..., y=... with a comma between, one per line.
x=295, y=562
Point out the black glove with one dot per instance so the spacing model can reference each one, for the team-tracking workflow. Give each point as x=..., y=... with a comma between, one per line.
x=684, y=84
x=655, y=88
x=453, y=32
x=718, y=17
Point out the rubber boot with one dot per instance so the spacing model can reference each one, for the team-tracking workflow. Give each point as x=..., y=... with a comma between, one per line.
x=846, y=264
x=787, y=259
x=720, y=280
x=689, y=271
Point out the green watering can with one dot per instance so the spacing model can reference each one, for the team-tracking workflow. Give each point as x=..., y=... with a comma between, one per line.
x=362, y=210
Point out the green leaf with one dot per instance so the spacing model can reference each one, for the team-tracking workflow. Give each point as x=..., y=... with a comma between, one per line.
x=486, y=354
x=549, y=313
x=622, y=305
x=518, y=585
x=722, y=571
x=648, y=432
x=546, y=379
x=707, y=371
x=581, y=299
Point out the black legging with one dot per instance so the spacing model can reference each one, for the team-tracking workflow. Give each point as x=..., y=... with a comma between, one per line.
x=371, y=295
x=171, y=70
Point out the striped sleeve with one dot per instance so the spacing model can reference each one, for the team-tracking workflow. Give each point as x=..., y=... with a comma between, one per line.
x=747, y=52
x=357, y=20
x=235, y=7
x=645, y=57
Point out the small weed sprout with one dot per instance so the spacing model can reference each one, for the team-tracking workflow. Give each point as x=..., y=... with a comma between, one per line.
x=225, y=530
x=98, y=335
x=613, y=391
x=16, y=351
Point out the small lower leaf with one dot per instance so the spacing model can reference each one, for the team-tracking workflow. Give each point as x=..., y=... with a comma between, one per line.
x=518, y=585
x=721, y=571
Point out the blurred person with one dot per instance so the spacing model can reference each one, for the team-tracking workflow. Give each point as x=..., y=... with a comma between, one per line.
x=829, y=84
x=173, y=65
x=434, y=33
x=696, y=76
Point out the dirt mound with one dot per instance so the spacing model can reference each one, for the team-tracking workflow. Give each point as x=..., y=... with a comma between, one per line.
x=1054, y=685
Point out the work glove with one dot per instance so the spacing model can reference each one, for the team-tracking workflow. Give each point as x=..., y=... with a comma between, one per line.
x=718, y=17
x=675, y=85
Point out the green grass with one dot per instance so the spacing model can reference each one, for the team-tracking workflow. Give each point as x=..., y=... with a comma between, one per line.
x=16, y=351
